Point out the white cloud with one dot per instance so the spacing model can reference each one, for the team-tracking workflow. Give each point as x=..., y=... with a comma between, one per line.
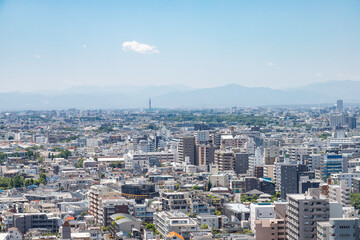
x=318, y=74
x=342, y=76
x=84, y=45
x=139, y=47
x=270, y=64
x=36, y=56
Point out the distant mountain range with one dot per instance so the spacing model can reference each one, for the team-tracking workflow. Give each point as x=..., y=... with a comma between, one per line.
x=177, y=96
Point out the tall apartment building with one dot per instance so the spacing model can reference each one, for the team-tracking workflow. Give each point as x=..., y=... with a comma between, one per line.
x=256, y=160
x=259, y=171
x=205, y=154
x=351, y=122
x=337, y=120
x=315, y=161
x=96, y=193
x=229, y=160
x=301, y=154
x=241, y=161
x=288, y=180
x=216, y=139
x=186, y=149
x=269, y=171
x=304, y=211
x=270, y=229
x=260, y=211
x=225, y=160
x=340, y=193
x=338, y=229
x=270, y=154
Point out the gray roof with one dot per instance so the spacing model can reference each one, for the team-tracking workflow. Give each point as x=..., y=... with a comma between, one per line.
x=127, y=218
x=254, y=192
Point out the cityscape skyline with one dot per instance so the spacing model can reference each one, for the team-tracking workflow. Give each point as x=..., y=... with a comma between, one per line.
x=179, y=120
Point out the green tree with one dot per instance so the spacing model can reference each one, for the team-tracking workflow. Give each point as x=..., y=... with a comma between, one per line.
x=18, y=181
x=196, y=187
x=152, y=227
x=42, y=178
x=117, y=164
x=204, y=226
x=64, y=154
x=355, y=200
x=215, y=231
x=80, y=163
x=28, y=182
x=209, y=186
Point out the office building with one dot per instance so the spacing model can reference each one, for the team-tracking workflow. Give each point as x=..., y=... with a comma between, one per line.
x=333, y=163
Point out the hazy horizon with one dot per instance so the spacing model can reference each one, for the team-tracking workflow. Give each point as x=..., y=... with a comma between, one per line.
x=79, y=87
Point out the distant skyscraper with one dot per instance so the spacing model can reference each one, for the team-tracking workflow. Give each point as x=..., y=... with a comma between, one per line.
x=340, y=105
x=149, y=104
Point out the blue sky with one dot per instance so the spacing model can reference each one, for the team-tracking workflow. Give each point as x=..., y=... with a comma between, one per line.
x=279, y=44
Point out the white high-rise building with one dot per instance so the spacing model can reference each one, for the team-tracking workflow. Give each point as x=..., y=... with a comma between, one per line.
x=256, y=160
